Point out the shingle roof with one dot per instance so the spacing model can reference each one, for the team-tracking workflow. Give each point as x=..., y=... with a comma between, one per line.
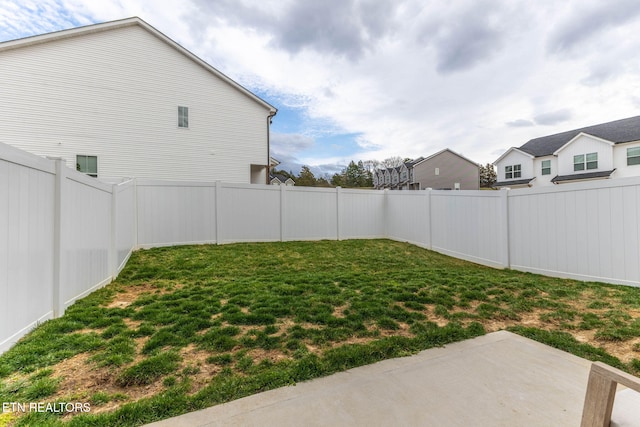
x=513, y=182
x=624, y=130
x=588, y=175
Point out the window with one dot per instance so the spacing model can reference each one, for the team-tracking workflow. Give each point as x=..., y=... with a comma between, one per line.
x=87, y=164
x=633, y=156
x=585, y=161
x=511, y=172
x=546, y=167
x=183, y=117
x=437, y=171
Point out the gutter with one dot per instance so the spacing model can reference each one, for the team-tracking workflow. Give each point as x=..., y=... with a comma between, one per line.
x=269, y=120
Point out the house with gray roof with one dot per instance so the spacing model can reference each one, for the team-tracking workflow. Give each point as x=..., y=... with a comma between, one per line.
x=607, y=150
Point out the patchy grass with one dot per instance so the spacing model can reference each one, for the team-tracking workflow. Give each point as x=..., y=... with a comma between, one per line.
x=188, y=327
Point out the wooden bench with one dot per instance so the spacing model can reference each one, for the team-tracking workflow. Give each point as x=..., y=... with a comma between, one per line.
x=601, y=393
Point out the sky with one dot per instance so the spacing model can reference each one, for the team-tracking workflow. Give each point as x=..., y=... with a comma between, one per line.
x=373, y=79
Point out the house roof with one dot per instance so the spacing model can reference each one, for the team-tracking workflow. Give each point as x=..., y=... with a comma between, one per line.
x=279, y=177
x=509, y=151
x=513, y=182
x=580, y=176
x=442, y=151
x=134, y=21
x=624, y=130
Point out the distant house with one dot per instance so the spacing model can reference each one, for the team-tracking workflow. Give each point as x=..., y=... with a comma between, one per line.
x=277, y=179
x=398, y=178
x=446, y=170
x=608, y=150
x=121, y=99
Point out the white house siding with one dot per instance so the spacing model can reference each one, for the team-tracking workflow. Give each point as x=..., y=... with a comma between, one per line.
x=584, y=144
x=115, y=94
x=543, y=180
x=515, y=158
x=620, y=160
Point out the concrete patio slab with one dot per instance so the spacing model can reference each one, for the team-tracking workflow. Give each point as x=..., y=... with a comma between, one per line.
x=499, y=379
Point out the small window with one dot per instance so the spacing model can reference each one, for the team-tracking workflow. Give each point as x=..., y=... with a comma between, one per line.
x=633, y=156
x=546, y=167
x=517, y=172
x=585, y=161
x=87, y=164
x=183, y=117
x=437, y=171
x=514, y=171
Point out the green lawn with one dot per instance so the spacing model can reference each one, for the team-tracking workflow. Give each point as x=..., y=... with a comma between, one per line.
x=189, y=327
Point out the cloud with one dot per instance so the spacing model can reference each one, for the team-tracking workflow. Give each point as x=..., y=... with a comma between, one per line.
x=290, y=143
x=553, y=118
x=345, y=28
x=584, y=23
x=519, y=123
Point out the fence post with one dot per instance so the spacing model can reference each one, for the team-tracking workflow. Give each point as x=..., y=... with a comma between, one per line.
x=429, y=219
x=217, y=209
x=113, y=255
x=57, y=303
x=283, y=213
x=338, y=214
x=385, y=206
x=504, y=220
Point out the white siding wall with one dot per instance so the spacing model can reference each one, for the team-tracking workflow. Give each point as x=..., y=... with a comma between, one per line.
x=582, y=145
x=544, y=180
x=115, y=94
x=620, y=161
x=516, y=158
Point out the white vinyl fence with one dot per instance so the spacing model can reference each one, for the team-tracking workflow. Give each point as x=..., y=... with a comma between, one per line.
x=63, y=234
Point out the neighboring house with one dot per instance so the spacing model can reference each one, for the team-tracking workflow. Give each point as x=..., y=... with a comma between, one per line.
x=277, y=179
x=121, y=99
x=446, y=170
x=608, y=150
x=398, y=178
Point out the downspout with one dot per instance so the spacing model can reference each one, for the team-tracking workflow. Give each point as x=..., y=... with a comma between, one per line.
x=269, y=119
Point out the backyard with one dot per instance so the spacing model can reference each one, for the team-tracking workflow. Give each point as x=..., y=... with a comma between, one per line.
x=184, y=328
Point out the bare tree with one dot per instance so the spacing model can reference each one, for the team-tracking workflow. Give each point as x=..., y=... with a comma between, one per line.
x=392, y=162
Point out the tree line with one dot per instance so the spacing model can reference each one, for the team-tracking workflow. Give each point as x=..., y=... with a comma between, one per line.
x=355, y=175
x=360, y=174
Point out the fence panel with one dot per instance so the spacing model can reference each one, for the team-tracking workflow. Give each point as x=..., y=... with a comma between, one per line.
x=586, y=231
x=310, y=213
x=27, y=185
x=175, y=213
x=248, y=213
x=85, y=236
x=125, y=239
x=408, y=218
x=470, y=225
x=362, y=214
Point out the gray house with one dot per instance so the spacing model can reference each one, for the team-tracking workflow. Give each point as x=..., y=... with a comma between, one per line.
x=446, y=170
